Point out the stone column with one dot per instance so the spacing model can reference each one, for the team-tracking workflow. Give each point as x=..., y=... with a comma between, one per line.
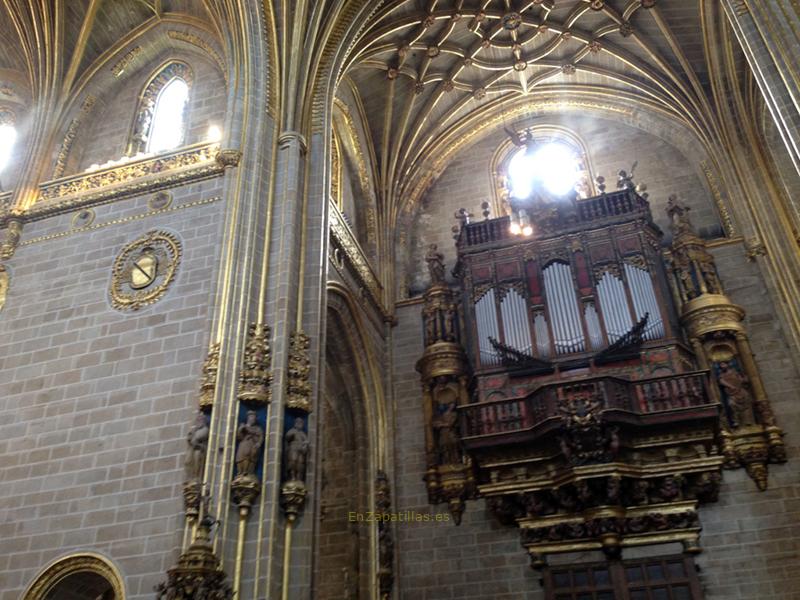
x=769, y=34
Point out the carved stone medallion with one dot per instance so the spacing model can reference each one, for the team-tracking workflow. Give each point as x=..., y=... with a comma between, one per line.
x=144, y=269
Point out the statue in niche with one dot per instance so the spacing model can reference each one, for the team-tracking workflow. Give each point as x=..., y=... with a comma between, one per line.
x=445, y=421
x=709, y=274
x=678, y=214
x=435, y=260
x=450, y=318
x=197, y=440
x=296, y=441
x=250, y=437
x=141, y=131
x=740, y=401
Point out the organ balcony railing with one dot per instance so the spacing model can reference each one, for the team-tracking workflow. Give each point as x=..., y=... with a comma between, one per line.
x=652, y=401
x=596, y=211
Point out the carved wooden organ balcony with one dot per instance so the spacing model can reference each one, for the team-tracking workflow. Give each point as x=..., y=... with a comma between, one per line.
x=568, y=381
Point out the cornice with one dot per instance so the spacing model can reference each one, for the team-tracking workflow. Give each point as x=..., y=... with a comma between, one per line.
x=342, y=238
x=188, y=164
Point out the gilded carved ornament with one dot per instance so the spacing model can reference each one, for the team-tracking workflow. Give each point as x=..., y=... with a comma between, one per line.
x=750, y=437
x=256, y=376
x=443, y=370
x=9, y=238
x=198, y=568
x=144, y=270
x=298, y=381
x=209, y=380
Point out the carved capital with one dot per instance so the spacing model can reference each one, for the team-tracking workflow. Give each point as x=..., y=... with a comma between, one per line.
x=245, y=489
x=293, y=498
x=228, y=157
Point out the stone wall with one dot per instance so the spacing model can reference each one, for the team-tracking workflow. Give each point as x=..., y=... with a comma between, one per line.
x=95, y=403
x=751, y=538
x=479, y=559
x=104, y=135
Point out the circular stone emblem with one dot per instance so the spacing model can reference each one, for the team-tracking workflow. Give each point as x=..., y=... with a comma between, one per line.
x=144, y=269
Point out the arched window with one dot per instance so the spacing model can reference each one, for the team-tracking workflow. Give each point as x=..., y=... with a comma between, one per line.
x=167, y=129
x=553, y=165
x=160, y=122
x=8, y=136
x=542, y=158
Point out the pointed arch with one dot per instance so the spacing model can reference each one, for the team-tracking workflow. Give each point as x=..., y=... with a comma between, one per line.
x=169, y=77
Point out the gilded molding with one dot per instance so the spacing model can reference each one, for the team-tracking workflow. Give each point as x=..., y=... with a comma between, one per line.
x=192, y=163
x=119, y=67
x=256, y=377
x=363, y=174
x=724, y=213
x=92, y=227
x=298, y=384
x=342, y=237
x=199, y=42
x=62, y=568
x=69, y=137
x=144, y=269
x=3, y=285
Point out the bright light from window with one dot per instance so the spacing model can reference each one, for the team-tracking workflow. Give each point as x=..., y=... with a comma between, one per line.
x=166, y=131
x=214, y=133
x=554, y=166
x=8, y=135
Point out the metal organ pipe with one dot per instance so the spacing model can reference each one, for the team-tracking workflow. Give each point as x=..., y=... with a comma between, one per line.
x=564, y=311
x=486, y=321
x=644, y=300
x=542, y=335
x=614, y=306
x=514, y=312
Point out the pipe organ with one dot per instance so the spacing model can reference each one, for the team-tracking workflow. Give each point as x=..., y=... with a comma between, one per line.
x=586, y=415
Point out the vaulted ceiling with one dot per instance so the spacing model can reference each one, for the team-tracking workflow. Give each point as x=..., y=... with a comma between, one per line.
x=55, y=47
x=430, y=72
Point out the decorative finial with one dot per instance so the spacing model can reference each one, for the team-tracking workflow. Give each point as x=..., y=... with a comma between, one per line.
x=601, y=183
x=463, y=216
x=485, y=207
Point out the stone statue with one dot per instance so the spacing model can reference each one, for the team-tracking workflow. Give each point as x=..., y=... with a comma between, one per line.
x=739, y=398
x=435, y=260
x=710, y=277
x=141, y=130
x=197, y=440
x=296, y=441
x=250, y=437
x=448, y=442
x=678, y=214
